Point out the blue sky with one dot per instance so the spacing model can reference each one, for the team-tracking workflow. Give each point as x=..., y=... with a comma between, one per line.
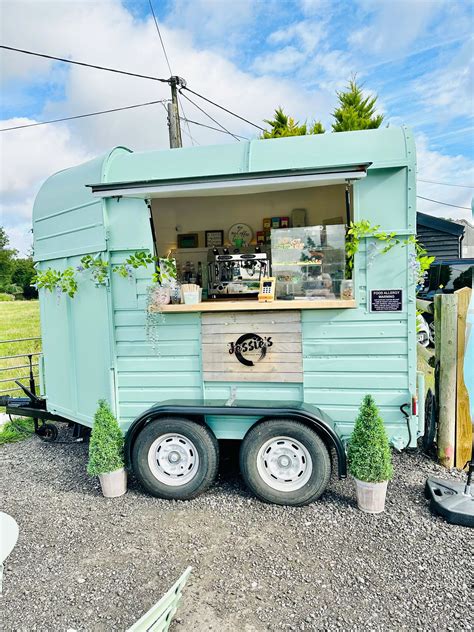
x=251, y=56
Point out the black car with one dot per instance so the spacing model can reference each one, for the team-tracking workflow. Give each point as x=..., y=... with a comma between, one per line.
x=447, y=276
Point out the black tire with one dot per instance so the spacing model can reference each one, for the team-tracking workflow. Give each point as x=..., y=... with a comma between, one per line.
x=48, y=432
x=200, y=448
x=317, y=472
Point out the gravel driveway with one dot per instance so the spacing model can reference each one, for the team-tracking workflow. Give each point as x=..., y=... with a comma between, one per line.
x=86, y=563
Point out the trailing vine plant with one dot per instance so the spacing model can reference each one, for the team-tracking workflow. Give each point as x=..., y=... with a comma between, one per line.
x=419, y=261
x=57, y=281
x=98, y=267
x=65, y=281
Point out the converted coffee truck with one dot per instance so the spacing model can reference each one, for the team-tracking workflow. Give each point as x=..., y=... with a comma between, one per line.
x=261, y=337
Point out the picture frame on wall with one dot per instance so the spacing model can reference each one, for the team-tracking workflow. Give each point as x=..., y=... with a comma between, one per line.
x=214, y=238
x=188, y=240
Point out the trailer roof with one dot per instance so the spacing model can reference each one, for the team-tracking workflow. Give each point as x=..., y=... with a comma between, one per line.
x=387, y=147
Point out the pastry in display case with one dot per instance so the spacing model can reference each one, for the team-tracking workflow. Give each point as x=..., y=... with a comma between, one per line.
x=308, y=262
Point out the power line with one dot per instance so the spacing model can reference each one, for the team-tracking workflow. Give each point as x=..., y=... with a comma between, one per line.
x=79, y=116
x=81, y=63
x=466, y=208
x=446, y=184
x=223, y=108
x=210, y=117
x=216, y=129
x=159, y=35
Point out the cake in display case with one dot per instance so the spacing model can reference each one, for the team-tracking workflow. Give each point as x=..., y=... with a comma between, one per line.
x=308, y=262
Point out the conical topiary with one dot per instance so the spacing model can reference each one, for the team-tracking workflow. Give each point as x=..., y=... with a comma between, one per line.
x=106, y=443
x=370, y=459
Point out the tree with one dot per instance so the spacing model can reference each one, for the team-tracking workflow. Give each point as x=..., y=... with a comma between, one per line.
x=22, y=275
x=355, y=112
x=6, y=260
x=283, y=125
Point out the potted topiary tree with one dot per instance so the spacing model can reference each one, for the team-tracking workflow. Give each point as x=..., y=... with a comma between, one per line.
x=370, y=459
x=106, y=453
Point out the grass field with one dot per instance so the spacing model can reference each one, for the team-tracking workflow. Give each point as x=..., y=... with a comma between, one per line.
x=18, y=319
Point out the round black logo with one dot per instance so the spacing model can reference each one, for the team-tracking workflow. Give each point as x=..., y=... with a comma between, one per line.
x=250, y=348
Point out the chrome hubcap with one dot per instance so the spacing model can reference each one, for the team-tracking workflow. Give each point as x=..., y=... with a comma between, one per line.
x=284, y=464
x=173, y=459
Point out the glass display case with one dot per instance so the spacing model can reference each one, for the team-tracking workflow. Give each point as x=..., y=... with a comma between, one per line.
x=308, y=262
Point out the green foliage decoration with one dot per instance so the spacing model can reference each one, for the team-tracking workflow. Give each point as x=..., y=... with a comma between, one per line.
x=419, y=262
x=370, y=459
x=166, y=270
x=139, y=259
x=57, y=281
x=106, y=443
x=98, y=267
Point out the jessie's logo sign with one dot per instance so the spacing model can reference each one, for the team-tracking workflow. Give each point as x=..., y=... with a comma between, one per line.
x=250, y=348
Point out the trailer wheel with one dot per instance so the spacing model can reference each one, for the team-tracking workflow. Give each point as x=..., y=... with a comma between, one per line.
x=48, y=432
x=285, y=462
x=175, y=458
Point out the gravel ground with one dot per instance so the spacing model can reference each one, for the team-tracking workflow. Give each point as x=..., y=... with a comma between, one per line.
x=86, y=563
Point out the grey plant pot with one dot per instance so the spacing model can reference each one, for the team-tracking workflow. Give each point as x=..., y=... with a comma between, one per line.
x=114, y=483
x=371, y=496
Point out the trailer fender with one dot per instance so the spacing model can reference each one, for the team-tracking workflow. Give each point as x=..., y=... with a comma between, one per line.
x=312, y=416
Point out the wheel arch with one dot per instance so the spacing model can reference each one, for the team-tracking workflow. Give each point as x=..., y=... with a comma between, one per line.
x=312, y=416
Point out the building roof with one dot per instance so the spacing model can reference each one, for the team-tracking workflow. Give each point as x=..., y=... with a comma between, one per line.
x=437, y=223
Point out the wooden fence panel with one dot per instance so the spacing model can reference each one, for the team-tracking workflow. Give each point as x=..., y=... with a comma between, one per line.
x=463, y=415
x=447, y=351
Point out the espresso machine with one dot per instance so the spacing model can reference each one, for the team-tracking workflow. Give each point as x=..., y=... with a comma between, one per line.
x=236, y=274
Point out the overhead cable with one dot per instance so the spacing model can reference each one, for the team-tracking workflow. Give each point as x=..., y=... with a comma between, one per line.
x=79, y=116
x=209, y=116
x=447, y=184
x=81, y=63
x=466, y=208
x=216, y=129
x=223, y=108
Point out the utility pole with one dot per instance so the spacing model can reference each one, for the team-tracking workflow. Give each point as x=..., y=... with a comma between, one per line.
x=173, y=112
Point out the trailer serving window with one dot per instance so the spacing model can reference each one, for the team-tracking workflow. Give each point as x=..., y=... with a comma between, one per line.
x=227, y=233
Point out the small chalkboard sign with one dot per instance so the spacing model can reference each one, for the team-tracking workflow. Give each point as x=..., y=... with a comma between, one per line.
x=386, y=300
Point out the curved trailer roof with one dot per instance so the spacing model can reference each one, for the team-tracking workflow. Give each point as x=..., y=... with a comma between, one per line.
x=65, y=202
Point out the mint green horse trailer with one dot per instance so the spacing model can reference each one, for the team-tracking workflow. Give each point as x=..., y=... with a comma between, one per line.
x=176, y=397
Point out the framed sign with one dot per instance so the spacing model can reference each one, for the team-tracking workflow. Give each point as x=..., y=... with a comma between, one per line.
x=190, y=240
x=240, y=235
x=386, y=300
x=214, y=238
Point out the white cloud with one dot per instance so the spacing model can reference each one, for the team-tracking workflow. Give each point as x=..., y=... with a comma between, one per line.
x=307, y=34
x=449, y=89
x=395, y=26
x=280, y=61
x=439, y=167
x=28, y=157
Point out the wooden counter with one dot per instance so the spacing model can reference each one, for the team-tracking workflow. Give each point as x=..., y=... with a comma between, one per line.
x=251, y=305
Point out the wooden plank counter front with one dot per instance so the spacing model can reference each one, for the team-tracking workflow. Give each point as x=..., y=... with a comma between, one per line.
x=246, y=306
